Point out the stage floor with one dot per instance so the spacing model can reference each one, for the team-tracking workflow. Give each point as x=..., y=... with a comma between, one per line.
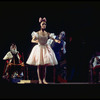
x=36, y=82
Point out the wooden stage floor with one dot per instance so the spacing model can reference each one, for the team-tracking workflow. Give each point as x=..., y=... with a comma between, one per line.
x=36, y=82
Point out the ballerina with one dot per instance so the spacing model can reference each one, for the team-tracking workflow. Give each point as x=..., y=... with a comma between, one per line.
x=42, y=54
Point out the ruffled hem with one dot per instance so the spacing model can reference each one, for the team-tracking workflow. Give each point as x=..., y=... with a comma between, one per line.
x=42, y=55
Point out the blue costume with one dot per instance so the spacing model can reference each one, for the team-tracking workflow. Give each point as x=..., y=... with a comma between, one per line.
x=57, y=47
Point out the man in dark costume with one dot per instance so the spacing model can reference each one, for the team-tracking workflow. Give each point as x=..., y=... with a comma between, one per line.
x=60, y=51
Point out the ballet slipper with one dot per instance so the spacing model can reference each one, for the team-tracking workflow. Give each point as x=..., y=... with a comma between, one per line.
x=44, y=81
x=40, y=82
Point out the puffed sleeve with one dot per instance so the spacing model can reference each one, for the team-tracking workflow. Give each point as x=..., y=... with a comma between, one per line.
x=8, y=56
x=95, y=62
x=64, y=49
x=52, y=35
x=34, y=34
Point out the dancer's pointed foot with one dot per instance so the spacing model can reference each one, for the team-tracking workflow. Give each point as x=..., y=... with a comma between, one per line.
x=40, y=82
x=44, y=81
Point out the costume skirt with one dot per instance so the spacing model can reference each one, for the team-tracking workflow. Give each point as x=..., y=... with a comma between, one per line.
x=42, y=55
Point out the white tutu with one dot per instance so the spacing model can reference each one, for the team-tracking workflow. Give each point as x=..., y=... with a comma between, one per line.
x=42, y=55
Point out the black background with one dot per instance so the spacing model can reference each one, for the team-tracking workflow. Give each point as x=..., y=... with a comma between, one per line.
x=79, y=19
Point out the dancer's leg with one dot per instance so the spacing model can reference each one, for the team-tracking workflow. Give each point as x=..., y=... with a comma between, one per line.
x=44, y=75
x=38, y=73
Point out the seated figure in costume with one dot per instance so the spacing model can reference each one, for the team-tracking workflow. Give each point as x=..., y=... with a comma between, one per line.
x=60, y=51
x=96, y=67
x=14, y=65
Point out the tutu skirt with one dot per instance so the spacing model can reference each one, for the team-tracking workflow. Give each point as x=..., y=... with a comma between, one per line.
x=42, y=55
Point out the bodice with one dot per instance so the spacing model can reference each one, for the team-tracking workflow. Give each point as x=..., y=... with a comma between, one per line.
x=42, y=39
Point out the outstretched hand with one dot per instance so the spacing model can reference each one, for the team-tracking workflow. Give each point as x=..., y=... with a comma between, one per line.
x=58, y=41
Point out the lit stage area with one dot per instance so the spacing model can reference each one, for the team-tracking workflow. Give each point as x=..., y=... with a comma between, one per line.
x=80, y=76
x=52, y=83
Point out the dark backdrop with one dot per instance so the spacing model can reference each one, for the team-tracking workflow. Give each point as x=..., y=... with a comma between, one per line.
x=79, y=19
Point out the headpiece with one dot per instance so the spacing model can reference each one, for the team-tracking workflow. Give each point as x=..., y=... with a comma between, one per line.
x=42, y=19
